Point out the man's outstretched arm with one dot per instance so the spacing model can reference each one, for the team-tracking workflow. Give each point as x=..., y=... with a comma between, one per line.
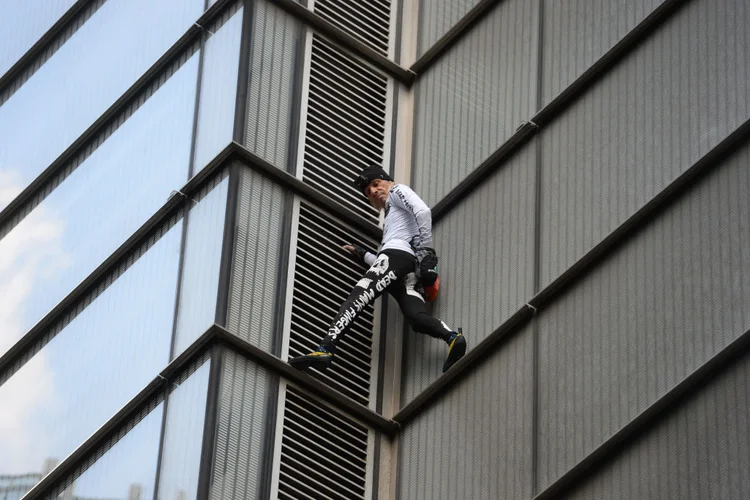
x=362, y=254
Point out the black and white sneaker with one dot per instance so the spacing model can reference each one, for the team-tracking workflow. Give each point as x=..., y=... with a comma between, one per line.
x=319, y=359
x=456, y=349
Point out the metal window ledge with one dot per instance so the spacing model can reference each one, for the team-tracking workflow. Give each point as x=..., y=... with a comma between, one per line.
x=453, y=35
x=333, y=32
x=648, y=418
x=309, y=193
x=330, y=395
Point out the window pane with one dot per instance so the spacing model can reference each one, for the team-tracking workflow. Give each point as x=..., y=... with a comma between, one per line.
x=23, y=23
x=240, y=423
x=126, y=471
x=98, y=362
x=98, y=206
x=13, y=487
x=82, y=79
x=258, y=255
x=200, y=274
x=183, y=438
x=277, y=38
x=218, y=91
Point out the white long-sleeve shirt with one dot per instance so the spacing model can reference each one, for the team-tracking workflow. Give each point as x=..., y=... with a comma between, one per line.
x=407, y=219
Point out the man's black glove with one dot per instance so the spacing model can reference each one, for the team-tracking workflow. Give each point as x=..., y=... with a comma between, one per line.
x=359, y=252
x=427, y=261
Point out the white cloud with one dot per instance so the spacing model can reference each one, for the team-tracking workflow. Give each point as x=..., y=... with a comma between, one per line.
x=29, y=255
x=10, y=186
x=26, y=397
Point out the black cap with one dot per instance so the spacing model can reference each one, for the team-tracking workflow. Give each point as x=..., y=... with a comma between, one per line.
x=369, y=174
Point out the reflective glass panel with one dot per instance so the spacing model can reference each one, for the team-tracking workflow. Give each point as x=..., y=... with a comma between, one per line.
x=23, y=23
x=82, y=79
x=200, y=272
x=218, y=91
x=183, y=438
x=110, y=195
x=88, y=371
x=127, y=471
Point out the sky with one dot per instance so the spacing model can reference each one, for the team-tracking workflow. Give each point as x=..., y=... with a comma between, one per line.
x=34, y=387
x=86, y=373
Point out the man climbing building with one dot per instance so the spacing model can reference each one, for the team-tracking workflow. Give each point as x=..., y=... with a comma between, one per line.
x=404, y=265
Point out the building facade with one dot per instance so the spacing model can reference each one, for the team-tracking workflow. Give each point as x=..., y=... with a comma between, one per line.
x=175, y=189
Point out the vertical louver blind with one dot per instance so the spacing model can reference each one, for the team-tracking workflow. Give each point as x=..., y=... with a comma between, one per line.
x=323, y=453
x=323, y=277
x=369, y=22
x=346, y=123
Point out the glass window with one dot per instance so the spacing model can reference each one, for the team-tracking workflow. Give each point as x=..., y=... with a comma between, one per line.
x=183, y=437
x=13, y=487
x=200, y=272
x=97, y=363
x=127, y=471
x=82, y=79
x=274, y=62
x=258, y=253
x=218, y=91
x=23, y=23
x=110, y=195
x=240, y=423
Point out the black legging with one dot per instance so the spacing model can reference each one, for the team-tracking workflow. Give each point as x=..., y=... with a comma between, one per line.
x=392, y=271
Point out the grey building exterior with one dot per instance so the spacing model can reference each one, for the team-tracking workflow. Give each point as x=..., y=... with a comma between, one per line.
x=175, y=188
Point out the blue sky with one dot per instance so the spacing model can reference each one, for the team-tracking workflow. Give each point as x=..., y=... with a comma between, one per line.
x=78, y=225
x=133, y=459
